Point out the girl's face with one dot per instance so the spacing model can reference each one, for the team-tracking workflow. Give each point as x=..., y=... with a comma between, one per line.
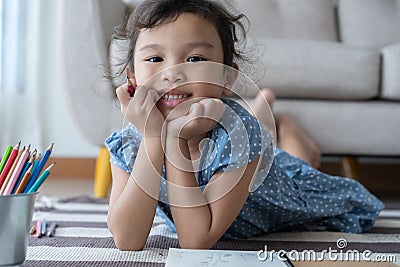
x=189, y=39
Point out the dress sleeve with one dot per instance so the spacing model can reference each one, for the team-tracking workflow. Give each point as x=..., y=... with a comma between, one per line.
x=237, y=140
x=123, y=146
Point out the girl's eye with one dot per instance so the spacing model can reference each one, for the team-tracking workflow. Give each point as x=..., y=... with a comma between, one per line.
x=154, y=59
x=195, y=59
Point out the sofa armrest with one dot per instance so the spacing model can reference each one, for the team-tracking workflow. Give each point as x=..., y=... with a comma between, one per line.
x=319, y=69
x=391, y=72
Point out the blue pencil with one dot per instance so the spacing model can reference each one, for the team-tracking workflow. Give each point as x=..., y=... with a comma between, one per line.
x=41, y=179
x=39, y=168
x=43, y=228
x=34, y=166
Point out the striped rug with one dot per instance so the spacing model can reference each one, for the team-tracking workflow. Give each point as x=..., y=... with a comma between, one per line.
x=82, y=238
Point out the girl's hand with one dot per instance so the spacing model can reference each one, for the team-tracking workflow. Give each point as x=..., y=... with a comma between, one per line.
x=141, y=109
x=201, y=118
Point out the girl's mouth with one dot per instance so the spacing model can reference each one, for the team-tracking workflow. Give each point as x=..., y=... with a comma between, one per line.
x=174, y=98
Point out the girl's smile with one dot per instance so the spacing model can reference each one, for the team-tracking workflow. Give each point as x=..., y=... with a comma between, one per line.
x=173, y=98
x=189, y=39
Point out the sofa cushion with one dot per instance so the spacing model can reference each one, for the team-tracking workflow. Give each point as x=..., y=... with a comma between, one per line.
x=348, y=127
x=316, y=69
x=372, y=23
x=391, y=72
x=293, y=19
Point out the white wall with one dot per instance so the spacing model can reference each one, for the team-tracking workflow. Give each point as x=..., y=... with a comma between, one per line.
x=59, y=126
x=58, y=123
x=46, y=101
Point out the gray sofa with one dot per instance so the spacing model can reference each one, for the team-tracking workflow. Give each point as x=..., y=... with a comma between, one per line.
x=334, y=66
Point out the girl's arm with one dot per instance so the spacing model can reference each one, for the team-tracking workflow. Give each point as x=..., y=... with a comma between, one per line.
x=201, y=218
x=133, y=199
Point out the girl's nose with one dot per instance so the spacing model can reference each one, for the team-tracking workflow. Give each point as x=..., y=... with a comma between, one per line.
x=174, y=74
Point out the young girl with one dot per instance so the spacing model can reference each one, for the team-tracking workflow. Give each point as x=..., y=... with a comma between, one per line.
x=173, y=159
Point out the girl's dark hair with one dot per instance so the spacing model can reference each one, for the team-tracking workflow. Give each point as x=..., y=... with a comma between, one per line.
x=152, y=13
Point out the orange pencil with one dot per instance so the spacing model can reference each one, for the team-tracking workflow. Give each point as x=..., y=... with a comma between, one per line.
x=9, y=164
x=3, y=187
x=24, y=180
x=27, y=165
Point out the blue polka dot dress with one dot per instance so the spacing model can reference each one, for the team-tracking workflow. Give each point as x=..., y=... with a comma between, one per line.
x=285, y=194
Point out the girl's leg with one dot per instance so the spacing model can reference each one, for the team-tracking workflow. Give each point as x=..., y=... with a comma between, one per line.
x=259, y=109
x=291, y=137
x=295, y=141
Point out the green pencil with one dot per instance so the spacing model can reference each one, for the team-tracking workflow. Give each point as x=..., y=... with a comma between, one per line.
x=5, y=157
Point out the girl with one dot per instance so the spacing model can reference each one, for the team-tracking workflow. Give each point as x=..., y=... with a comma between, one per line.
x=201, y=188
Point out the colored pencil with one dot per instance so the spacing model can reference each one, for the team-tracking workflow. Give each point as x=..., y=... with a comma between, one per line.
x=35, y=165
x=38, y=228
x=26, y=167
x=39, y=168
x=40, y=180
x=17, y=171
x=24, y=180
x=6, y=181
x=32, y=230
x=43, y=229
x=52, y=229
x=5, y=157
x=36, y=162
x=8, y=165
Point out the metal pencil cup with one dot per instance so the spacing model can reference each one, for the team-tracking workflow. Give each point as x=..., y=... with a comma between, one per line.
x=15, y=219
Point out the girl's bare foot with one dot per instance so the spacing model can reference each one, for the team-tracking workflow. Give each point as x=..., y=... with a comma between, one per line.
x=259, y=108
x=297, y=142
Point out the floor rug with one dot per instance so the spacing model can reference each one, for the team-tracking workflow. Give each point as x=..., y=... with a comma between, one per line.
x=82, y=238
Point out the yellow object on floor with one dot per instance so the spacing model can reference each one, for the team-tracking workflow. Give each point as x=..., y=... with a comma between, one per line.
x=102, y=175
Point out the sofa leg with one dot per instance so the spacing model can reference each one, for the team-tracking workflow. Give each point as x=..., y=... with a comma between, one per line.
x=102, y=175
x=348, y=166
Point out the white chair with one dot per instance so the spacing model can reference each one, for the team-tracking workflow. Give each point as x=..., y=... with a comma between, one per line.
x=87, y=30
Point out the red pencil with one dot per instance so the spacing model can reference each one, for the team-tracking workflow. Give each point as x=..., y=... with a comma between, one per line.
x=9, y=163
x=17, y=171
x=7, y=180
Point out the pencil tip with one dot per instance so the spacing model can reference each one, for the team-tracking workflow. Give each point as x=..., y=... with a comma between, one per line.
x=51, y=166
x=51, y=147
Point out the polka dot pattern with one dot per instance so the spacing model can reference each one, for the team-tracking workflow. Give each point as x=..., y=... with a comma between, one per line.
x=287, y=194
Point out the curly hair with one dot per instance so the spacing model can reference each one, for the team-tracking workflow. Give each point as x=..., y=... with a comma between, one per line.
x=152, y=13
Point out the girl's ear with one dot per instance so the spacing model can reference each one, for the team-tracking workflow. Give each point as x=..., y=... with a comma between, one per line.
x=130, y=76
x=231, y=75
